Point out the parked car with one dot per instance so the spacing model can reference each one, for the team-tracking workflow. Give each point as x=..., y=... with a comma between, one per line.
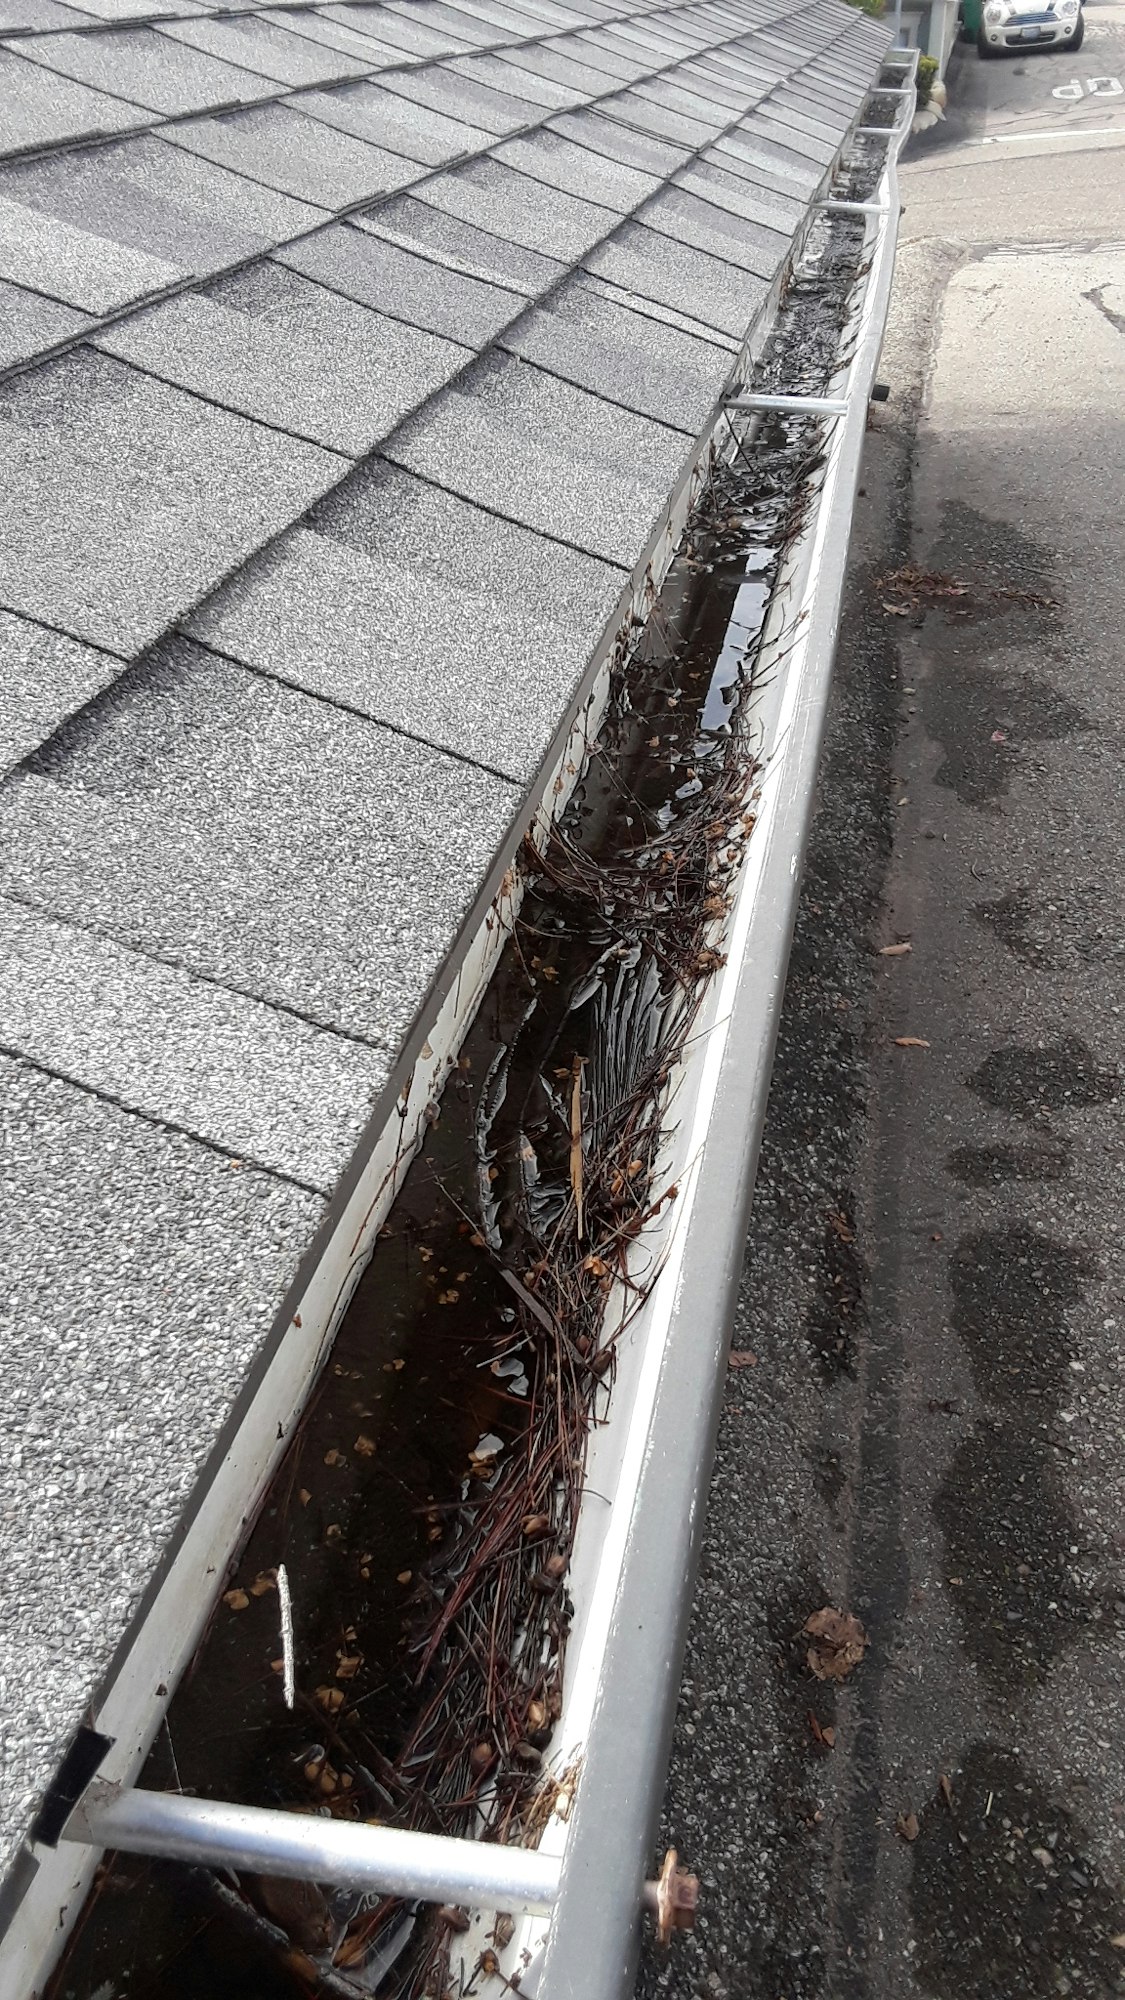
x=998, y=25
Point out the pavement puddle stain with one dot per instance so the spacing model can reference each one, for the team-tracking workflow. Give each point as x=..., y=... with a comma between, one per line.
x=425, y=1508
x=1018, y=1588
x=1054, y=1076
x=1004, y=1896
x=982, y=1166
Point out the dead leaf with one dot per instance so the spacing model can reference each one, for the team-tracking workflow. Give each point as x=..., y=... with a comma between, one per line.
x=364, y=1445
x=266, y=1579
x=741, y=1357
x=330, y=1699
x=333, y=1457
x=304, y=1496
x=898, y=610
x=404, y=1576
x=910, y=1042
x=946, y=1790
x=839, y=1641
x=823, y=1733
x=894, y=950
x=235, y=1600
x=906, y=1826
x=348, y=1665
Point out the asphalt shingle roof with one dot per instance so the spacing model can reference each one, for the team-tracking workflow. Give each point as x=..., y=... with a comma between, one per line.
x=349, y=354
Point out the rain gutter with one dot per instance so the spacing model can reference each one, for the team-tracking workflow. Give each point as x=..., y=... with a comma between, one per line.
x=592, y=1948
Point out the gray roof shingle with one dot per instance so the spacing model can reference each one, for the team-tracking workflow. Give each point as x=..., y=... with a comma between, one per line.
x=29, y=323
x=375, y=52
x=517, y=209
x=257, y=44
x=273, y=345
x=41, y=109
x=566, y=462
x=250, y=1079
x=122, y=1360
x=602, y=135
x=16, y=15
x=349, y=356
x=377, y=272
x=400, y=31
x=99, y=459
x=44, y=677
x=558, y=162
x=278, y=146
x=441, y=89
x=700, y=223
x=675, y=274
x=418, y=225
x=655, y=370
x=102, y=227
x=391, y=574
x=148, y=68
x=180, y=781
x=393, y=122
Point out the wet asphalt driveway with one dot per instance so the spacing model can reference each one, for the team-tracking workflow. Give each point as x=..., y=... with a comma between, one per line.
x=926, y=1428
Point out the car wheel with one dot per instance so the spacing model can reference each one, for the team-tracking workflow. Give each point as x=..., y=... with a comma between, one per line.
x=985, y=48
x=1078, y=34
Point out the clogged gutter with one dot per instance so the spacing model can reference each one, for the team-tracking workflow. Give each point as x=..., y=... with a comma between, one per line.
x=426, y=1508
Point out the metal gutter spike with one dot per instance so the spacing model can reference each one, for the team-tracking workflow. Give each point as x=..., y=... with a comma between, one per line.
x=797, y=406
x=850, y=207
x=301, y=1847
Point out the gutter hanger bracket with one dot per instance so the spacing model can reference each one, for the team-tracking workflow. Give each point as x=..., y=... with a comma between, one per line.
x=303, y=1847
x=797, y=406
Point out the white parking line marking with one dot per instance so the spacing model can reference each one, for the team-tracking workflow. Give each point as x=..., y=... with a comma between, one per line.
x=1075, y=132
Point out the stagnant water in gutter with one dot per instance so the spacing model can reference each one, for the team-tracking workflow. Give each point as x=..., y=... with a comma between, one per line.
x=425, y=1508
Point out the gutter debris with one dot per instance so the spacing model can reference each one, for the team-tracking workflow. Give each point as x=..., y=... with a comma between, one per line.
x=424, y=1514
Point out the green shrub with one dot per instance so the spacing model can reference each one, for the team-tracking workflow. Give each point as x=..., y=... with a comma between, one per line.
x=876, y=7
x=926, y=78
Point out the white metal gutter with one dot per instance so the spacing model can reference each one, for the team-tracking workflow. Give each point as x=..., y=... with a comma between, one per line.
x=625, y=1684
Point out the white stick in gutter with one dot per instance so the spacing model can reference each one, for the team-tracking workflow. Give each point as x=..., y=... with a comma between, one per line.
x=288, y=1671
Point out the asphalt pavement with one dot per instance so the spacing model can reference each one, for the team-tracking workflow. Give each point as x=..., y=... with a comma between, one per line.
x=925, y=1429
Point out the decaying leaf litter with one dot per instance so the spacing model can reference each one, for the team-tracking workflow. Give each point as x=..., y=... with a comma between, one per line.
x=426, y=1508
